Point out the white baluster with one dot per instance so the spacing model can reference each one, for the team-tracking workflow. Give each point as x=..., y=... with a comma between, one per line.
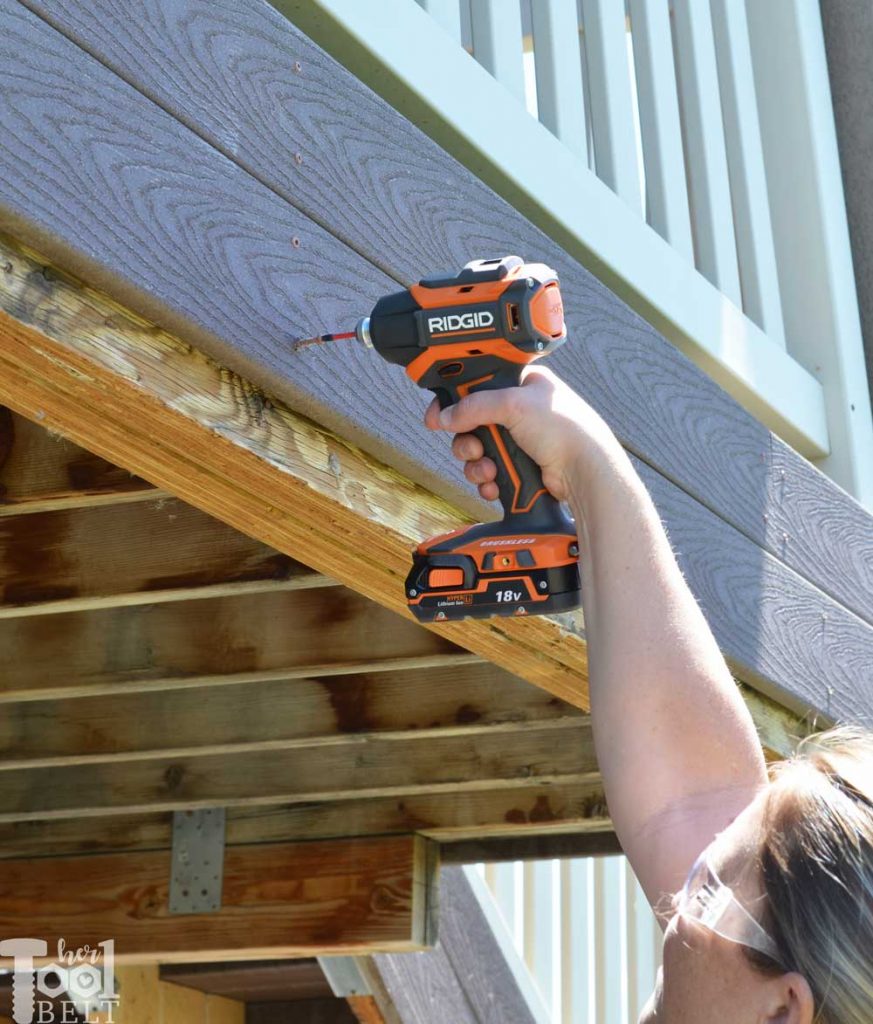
x=447, y=13
x=705, y=155
x=497, y=42
x=666, y=191
x=560, y=88
x=751, y=206
x=615, y=148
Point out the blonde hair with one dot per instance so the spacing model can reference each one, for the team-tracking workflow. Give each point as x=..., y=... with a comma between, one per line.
x=817, y=865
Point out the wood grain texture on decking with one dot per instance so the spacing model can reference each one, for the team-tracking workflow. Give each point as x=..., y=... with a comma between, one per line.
x=333, y=154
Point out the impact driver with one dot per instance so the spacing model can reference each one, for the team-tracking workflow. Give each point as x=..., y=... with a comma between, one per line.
x=473, y=331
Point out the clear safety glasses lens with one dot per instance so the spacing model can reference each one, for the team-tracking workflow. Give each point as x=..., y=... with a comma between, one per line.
x=707, y=900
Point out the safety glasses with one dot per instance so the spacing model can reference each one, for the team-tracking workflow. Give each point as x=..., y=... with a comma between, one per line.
x=706, y=899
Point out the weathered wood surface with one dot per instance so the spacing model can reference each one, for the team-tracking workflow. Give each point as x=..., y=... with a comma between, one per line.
x=310, y=131
x=298, y=899
x=448, y=700
x=369, y=765
x=253, y=636
x=40, y=472
x=278, y=477
x=537, y=808
x=137, y=554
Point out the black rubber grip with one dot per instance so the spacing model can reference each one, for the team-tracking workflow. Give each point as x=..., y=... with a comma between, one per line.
x=519, y=479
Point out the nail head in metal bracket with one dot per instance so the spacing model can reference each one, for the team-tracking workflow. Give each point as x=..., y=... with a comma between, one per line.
x=197, y=863
x=344, y=976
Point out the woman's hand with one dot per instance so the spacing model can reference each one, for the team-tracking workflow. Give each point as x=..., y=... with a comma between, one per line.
x=557, y=428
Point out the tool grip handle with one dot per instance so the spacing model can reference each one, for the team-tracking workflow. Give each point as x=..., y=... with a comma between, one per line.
x=519, y=478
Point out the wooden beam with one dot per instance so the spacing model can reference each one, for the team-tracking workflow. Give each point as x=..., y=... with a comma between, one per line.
x=540, y=808
x=146, y=553
x=44, y=472
x=370, y=765
x=278, y=900
x=74, y=361
x=445, y=700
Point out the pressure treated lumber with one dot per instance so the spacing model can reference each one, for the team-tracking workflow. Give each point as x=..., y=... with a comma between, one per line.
x=76, y=362
x=559, y=806
x=365, y=766
x=146, y=553
x=209, y=642
x=40, y=472
x=333, y=153
x=297, y=899
x=443, y=700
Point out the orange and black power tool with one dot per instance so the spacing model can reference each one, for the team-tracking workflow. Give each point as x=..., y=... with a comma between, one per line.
x=474, y=331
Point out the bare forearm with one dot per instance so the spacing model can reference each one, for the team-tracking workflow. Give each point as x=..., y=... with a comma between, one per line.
x=675, y=742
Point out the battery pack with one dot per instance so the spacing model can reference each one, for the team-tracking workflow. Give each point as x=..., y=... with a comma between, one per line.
x=469, y=574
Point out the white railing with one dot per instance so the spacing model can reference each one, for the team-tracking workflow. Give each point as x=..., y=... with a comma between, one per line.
x=585, y=932
x=702, y=183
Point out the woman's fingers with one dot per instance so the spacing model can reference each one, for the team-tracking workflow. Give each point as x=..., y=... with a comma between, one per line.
x=481, y=471
x=467, y=447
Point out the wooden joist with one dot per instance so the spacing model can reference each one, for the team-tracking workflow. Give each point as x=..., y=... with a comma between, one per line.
x=538, y=808
x=278, y=900
x=362, y=767
x=227, y=639
x=144, y=553
x=444, y=700
x=44, y=472
x=74, y=361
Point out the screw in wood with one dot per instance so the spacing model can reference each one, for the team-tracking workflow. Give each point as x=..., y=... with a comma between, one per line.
x=295, y=241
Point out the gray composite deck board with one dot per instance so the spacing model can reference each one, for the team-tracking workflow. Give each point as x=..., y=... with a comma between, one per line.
x=227, y=70
x=110, y=184
x=465, y=979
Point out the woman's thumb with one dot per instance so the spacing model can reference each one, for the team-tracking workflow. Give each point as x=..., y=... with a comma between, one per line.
x=478, y=409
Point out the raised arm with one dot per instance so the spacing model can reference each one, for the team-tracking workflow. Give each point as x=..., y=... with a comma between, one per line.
x=674, y=739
